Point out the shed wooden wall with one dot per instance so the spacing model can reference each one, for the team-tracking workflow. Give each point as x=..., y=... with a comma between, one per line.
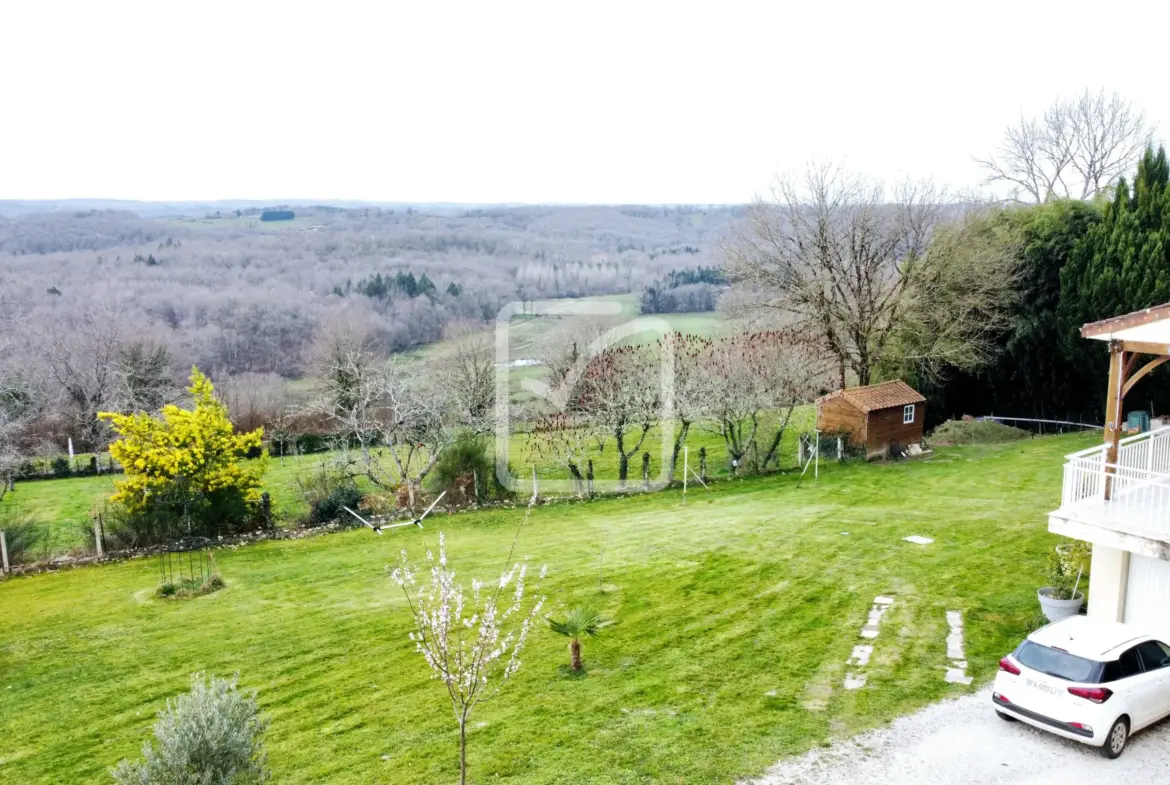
x=837, y=415
x=886, y=428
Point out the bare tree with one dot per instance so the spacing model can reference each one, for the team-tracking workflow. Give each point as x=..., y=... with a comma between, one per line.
x=10, y=430
x=392, y=421
x=1075, y=150
x=562, y=438
x=691, y=400
x=619, y=395
x=833, y=257
x=15, y=398
x=255, y=400
x=754, y=383
x=467, y=371
x=146, y=376
x=83, y=354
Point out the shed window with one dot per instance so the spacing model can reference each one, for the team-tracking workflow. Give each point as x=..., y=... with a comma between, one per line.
x=908, y=414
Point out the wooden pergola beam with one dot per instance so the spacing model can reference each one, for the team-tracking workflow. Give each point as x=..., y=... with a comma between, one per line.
x=1126, y=321
x=1144, y=347
x=1145, y=369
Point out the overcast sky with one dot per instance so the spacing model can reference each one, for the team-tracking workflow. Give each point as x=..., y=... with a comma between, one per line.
x=549, y=101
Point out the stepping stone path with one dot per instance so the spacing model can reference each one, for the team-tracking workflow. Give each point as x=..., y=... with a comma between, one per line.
x=957, y=672
x=859, y=659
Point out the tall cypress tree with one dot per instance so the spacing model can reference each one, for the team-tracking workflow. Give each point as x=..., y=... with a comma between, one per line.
x=1122, y=264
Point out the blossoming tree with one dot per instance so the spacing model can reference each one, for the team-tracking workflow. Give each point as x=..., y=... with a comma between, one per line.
x=471, y=642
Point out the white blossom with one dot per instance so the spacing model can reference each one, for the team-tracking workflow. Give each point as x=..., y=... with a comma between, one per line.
x=472, y=643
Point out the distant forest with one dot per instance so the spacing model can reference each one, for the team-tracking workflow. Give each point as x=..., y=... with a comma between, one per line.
x=688, y=290
x=239, y=293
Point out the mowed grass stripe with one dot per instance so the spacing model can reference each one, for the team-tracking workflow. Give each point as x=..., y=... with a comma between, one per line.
x=748, y=590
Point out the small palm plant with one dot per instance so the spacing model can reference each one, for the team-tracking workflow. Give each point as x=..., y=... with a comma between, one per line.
x=579, y=621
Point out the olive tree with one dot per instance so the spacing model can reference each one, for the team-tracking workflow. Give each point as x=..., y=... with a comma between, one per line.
x=213, y=734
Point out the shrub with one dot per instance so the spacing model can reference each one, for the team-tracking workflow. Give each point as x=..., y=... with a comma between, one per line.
x=26, y=540
x=325, y=488
x=467, y=470
x=193, y=587
x=61, y=467
x=185, y=473
x=975, y=432
x=213, y=735
x=1068, y=566
x=329, y=507
x=126, y=529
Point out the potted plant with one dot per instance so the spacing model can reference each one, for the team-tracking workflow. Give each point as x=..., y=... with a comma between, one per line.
x=1067, y=566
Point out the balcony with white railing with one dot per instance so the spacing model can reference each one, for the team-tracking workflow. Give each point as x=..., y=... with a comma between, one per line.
x=1124, y=504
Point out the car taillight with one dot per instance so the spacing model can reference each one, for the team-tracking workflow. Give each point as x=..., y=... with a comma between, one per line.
x=1094, y=694
x=1007, y=665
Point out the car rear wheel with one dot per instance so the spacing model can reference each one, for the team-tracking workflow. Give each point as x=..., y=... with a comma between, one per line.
x=1005, y=716
x=1116, y=739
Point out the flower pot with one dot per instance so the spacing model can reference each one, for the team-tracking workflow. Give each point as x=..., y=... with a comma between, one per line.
x=1055, y=609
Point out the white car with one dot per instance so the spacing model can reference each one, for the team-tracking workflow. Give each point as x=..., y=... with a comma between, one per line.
x=1091, y=681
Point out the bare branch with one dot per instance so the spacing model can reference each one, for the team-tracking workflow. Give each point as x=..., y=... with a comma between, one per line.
x=1077, y=149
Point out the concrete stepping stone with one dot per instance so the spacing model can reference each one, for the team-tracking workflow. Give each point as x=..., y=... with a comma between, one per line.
x=860, y=656
x=956, y=673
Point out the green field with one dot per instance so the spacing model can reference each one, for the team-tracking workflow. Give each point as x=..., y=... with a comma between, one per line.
x=527, y=335
x=736, y=614
x=68, y=505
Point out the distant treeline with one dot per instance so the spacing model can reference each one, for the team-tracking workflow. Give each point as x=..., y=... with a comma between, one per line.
x=85, y=293
x=689, y=290
x=277, y=215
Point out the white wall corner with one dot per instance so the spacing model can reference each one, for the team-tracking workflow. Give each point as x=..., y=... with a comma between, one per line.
x=1109, y=574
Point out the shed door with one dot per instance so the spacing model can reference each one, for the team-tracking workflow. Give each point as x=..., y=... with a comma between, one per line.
x=1147, y=593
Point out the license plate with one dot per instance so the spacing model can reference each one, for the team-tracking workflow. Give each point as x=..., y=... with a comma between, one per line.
x=1043, y=686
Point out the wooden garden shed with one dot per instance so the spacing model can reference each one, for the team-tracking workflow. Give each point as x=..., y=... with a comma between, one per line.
x=875, y=417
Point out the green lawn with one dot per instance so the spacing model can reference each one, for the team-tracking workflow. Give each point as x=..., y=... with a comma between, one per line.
x=736, y=615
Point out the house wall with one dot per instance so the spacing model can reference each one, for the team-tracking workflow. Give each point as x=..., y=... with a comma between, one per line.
x=886, y=428
x=1109, y=569
x=837, y=415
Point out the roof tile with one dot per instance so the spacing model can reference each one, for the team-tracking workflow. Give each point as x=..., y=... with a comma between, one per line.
x=878, y=396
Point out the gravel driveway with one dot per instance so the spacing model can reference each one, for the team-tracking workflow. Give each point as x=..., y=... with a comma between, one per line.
x=962, y=742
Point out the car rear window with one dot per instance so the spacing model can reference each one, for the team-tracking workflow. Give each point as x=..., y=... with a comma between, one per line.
x=1058, y=663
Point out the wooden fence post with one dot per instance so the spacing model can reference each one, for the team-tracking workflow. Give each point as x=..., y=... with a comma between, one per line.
x=97, y=534
x=535, y=487
x=3, y=552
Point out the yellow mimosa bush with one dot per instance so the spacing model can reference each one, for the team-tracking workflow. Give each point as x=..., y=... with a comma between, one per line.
x=188, y=463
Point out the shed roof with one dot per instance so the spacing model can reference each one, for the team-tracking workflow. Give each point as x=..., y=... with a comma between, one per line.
x=878, y=396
